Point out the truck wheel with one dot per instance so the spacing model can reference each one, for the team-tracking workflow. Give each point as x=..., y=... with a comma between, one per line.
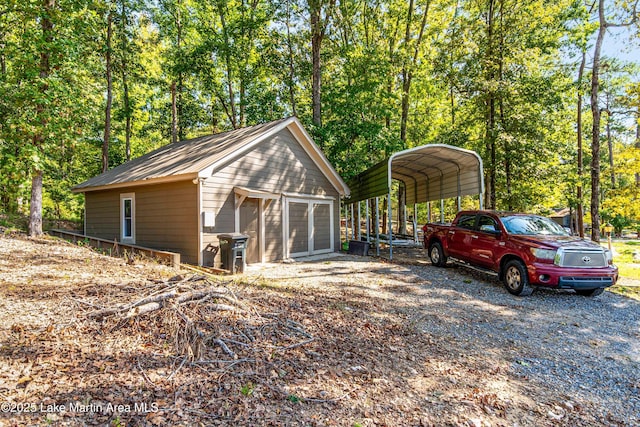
x=590, y=292
x=516, y=279
x=436, y=255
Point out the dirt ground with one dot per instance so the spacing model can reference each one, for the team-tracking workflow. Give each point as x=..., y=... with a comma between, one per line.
x=346, y=341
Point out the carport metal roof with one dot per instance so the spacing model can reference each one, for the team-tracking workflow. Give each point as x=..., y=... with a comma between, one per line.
x=429, y=172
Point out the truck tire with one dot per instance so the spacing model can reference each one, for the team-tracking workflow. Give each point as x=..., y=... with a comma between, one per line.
x=436, y=255
x=516, y=279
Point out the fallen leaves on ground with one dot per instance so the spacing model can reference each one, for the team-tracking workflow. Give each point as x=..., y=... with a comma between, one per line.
x=289, y=355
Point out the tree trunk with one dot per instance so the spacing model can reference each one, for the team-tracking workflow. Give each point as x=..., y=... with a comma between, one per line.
x=179, y=107
x=174, y=114
x=503, y=120
x=318, y=29
x=407, y=75
x=491, y=111
x=452, y=104
x=316, y=85
x=402, y=202
x=406, y=79
x=579, y=196
x=176, y=85
x=35, y=214
x=595, y=133
x=638, y=142
x=35, y=209
x=127, y=108
x=107, y=110
x=231, y=111
x=125, y=81
x=612, y=171
x=292, y=74
x=408, y=66
x=385, y=210
x=242, y=108
x=390, y=78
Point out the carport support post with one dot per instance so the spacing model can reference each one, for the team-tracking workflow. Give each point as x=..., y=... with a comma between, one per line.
x=390, y=213
x=377, y=226
x=353, y=229
x=442, y=211
x=359, y=228
x=415, y=222
x=346, y=223
x=368, y=226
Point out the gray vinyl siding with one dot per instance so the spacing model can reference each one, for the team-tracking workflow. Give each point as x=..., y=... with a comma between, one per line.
x=279, y=165
x=273, y=231
x=165, y=217
x=102, y=213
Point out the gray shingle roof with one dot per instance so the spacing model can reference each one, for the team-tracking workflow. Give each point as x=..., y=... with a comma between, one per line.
x=181, y=158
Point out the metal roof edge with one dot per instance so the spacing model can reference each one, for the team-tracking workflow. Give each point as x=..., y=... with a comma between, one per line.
x=125, y=184
x=447, y=146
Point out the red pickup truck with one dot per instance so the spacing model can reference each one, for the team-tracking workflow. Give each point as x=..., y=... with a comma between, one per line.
x=526, y=251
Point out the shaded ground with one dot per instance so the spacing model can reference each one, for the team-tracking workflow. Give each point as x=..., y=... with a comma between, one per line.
x=346, y=341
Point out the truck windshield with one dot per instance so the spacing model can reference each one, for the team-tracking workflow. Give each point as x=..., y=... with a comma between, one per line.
x=532, y=225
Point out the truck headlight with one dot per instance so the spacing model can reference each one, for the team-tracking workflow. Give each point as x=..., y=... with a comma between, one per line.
x=543, y=253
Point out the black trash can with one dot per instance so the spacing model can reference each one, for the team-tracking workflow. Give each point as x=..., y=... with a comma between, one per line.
x=358, y=247
x=233, y=251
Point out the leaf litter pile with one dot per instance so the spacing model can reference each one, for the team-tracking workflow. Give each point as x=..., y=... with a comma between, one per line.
x=92, y=340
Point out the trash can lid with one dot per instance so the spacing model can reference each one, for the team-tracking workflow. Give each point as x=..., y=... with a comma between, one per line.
x=232, y=236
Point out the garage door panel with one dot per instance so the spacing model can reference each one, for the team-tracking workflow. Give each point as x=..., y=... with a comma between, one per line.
x=321, y=226
x=298, y=227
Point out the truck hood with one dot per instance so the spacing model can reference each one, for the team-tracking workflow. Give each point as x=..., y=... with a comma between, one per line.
x=556, y=242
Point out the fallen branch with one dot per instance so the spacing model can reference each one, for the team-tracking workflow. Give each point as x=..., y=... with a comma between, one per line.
x=299, y=344
x=224, y=347
x=156, y=300
x=142, y=309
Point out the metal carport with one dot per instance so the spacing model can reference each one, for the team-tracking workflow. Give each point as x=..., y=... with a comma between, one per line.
x=429, y=172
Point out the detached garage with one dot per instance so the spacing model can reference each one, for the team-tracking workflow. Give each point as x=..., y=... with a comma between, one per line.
x=270, y=182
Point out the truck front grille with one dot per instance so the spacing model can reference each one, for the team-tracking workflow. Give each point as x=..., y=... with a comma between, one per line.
x=581, y=258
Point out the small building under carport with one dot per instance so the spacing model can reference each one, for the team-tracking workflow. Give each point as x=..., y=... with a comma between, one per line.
x=428, y=173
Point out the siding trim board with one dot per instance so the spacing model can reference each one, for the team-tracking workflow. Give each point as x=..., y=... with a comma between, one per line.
x=200, y=223
x=308, y=196
x=256, y=194
x=146, y=181
x=128, y=238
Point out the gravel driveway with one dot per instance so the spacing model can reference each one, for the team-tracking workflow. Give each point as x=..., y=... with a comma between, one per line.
x=383, y=344
x=579, y=356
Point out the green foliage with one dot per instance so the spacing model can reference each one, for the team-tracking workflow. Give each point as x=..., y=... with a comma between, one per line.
x=496, y=79
x=293, y=398
x=247, y=389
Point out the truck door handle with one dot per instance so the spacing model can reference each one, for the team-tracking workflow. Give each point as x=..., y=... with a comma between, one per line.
x=452, y=232
x=473, y=236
